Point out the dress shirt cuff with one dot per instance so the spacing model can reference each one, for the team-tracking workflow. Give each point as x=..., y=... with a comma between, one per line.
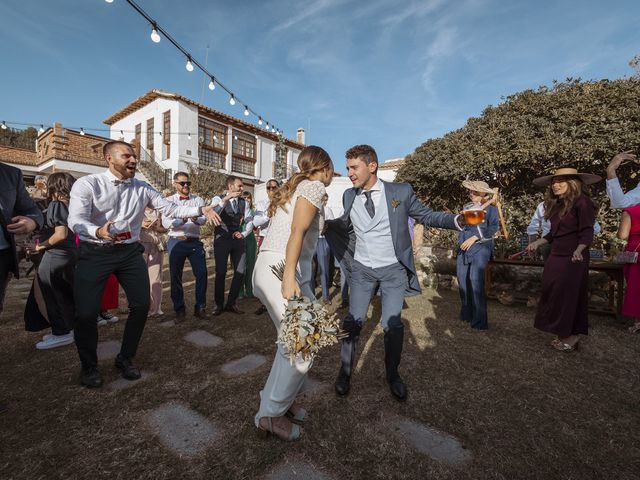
x=456, y=220
x=93, y=232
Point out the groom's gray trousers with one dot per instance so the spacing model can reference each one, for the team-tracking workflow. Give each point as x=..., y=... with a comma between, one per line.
x=391, y=280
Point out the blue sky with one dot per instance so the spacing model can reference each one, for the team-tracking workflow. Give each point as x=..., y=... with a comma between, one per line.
x=390, y=73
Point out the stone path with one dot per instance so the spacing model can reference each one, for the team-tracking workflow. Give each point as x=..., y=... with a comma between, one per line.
x=431, y=442
x=296, y=470
x=313, y=387
x=202, y=338
x=108, y=350
x=243, y=365
x=182, y=430
x=122, y=383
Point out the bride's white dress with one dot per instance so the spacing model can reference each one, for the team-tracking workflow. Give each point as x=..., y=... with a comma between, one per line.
x=285, y=380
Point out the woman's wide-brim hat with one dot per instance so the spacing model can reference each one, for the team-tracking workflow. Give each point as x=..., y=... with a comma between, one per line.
x=587, y=178
x=477, y=186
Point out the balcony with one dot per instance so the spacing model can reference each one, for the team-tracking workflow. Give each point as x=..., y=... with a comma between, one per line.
x=241, y=165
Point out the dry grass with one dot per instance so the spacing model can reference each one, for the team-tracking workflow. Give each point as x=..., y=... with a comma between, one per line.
x=524, y=410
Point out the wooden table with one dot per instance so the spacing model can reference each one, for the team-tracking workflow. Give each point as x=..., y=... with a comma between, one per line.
x=614, y=271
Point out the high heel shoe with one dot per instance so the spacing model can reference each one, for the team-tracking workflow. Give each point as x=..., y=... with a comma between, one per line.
x=294, y=434
x=297, y=418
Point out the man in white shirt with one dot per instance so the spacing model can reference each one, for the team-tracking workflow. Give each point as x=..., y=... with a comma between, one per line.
x=106, y=210
x=618, y=198
x=261, y=221
x=184, y=242
x=229, y=242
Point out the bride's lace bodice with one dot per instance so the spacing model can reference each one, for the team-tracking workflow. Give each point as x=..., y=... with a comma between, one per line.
x=280, y=225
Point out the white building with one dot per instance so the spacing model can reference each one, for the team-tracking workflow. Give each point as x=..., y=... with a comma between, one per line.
x=175, y=132
x=389, y=169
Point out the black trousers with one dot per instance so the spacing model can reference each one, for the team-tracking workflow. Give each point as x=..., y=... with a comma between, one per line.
x=95, y=263
x=6, y=263
x=223, y=247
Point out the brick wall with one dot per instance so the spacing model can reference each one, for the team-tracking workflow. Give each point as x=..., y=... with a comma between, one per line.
x=65, y=144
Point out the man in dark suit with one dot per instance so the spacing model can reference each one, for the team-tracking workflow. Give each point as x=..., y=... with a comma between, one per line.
x=18, y=215
x=372, y=241
x=229, y=242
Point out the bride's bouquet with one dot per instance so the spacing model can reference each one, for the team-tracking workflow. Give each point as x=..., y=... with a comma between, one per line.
x=307, y=326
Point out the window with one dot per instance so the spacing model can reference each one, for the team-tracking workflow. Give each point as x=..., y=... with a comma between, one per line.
x=166, y=132
x=138, y=129
x=244, y=153
x=150, y=134
x=212, y=143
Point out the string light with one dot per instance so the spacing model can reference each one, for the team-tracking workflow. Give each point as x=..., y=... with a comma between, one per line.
x=82, y=132
x=155, y=37
x=158, y=32
x=41, y=130
x=189, y=136
x=4, y=125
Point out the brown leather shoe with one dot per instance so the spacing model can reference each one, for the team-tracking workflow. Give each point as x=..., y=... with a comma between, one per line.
x=234, y=309
x=217, y=311
x=261, y=309
x=180, y=316
x=200, y=313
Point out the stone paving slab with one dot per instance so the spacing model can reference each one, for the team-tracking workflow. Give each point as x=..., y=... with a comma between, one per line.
x=202, y=338
x=313, y=387
x=108, y=350
x=243, y=365
x=296, y=470
x=123, y=383
x=183, y=431
x=436, y=444
x=167, y=323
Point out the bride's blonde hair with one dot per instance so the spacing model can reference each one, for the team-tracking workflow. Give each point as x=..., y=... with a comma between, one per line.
x=312, y=160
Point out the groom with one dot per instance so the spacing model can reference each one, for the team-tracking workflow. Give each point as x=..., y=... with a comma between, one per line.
x=371, y=239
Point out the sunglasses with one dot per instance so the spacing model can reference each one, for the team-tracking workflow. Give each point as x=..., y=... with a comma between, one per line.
x=184, y=184
x=272, y=188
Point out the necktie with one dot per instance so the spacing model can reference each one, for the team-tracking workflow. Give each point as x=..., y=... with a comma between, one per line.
x=368, y=204
x=233, y=205
x=184, y=198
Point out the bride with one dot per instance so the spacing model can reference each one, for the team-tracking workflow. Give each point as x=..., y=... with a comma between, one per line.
x=296, y=212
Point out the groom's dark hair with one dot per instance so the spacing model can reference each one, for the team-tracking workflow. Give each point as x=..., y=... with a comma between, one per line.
x=366, y=153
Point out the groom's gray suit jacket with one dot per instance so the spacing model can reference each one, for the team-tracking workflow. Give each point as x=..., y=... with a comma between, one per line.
x=342, y=239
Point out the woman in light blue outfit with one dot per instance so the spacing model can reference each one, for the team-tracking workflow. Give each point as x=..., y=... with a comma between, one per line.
x=475, y=251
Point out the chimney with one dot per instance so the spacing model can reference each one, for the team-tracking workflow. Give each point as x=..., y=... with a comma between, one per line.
x=300, y=136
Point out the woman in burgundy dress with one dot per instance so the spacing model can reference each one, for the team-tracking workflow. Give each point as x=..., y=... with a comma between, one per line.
x=629, y=230
x=563, y=304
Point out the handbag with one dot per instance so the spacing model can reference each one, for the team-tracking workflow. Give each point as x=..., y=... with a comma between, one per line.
x=627, y=257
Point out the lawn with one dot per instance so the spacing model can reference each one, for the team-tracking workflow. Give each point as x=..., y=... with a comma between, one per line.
x=521, y=409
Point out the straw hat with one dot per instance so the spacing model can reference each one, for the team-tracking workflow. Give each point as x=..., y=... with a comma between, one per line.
x=587, y=178
x=477, y=186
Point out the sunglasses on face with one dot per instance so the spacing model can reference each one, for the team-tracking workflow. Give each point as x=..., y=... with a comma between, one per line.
x=272, y=188
x=184, y=184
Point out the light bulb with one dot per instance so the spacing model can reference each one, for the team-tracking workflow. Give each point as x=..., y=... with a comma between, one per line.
x=235, y=137
x=82, y=132
x=188, y=136
x=273, y=129
x=232, y=100
x=246, y=111
x=259, y=120
x=41, y=130
x=4, y=125
x=189, y=65
x=212, y=84
x=215, y=138
x=155, y=37
x=109, y=1
x=267, y=126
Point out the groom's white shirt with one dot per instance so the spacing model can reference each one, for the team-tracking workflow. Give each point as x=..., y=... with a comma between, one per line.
x=374, y=244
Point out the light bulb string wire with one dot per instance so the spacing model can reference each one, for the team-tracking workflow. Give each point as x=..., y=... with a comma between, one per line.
x=191, y=58
x=40, y=125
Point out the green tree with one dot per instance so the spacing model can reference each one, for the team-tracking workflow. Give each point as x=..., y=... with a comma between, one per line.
x=575, y=123
x=12, y=137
